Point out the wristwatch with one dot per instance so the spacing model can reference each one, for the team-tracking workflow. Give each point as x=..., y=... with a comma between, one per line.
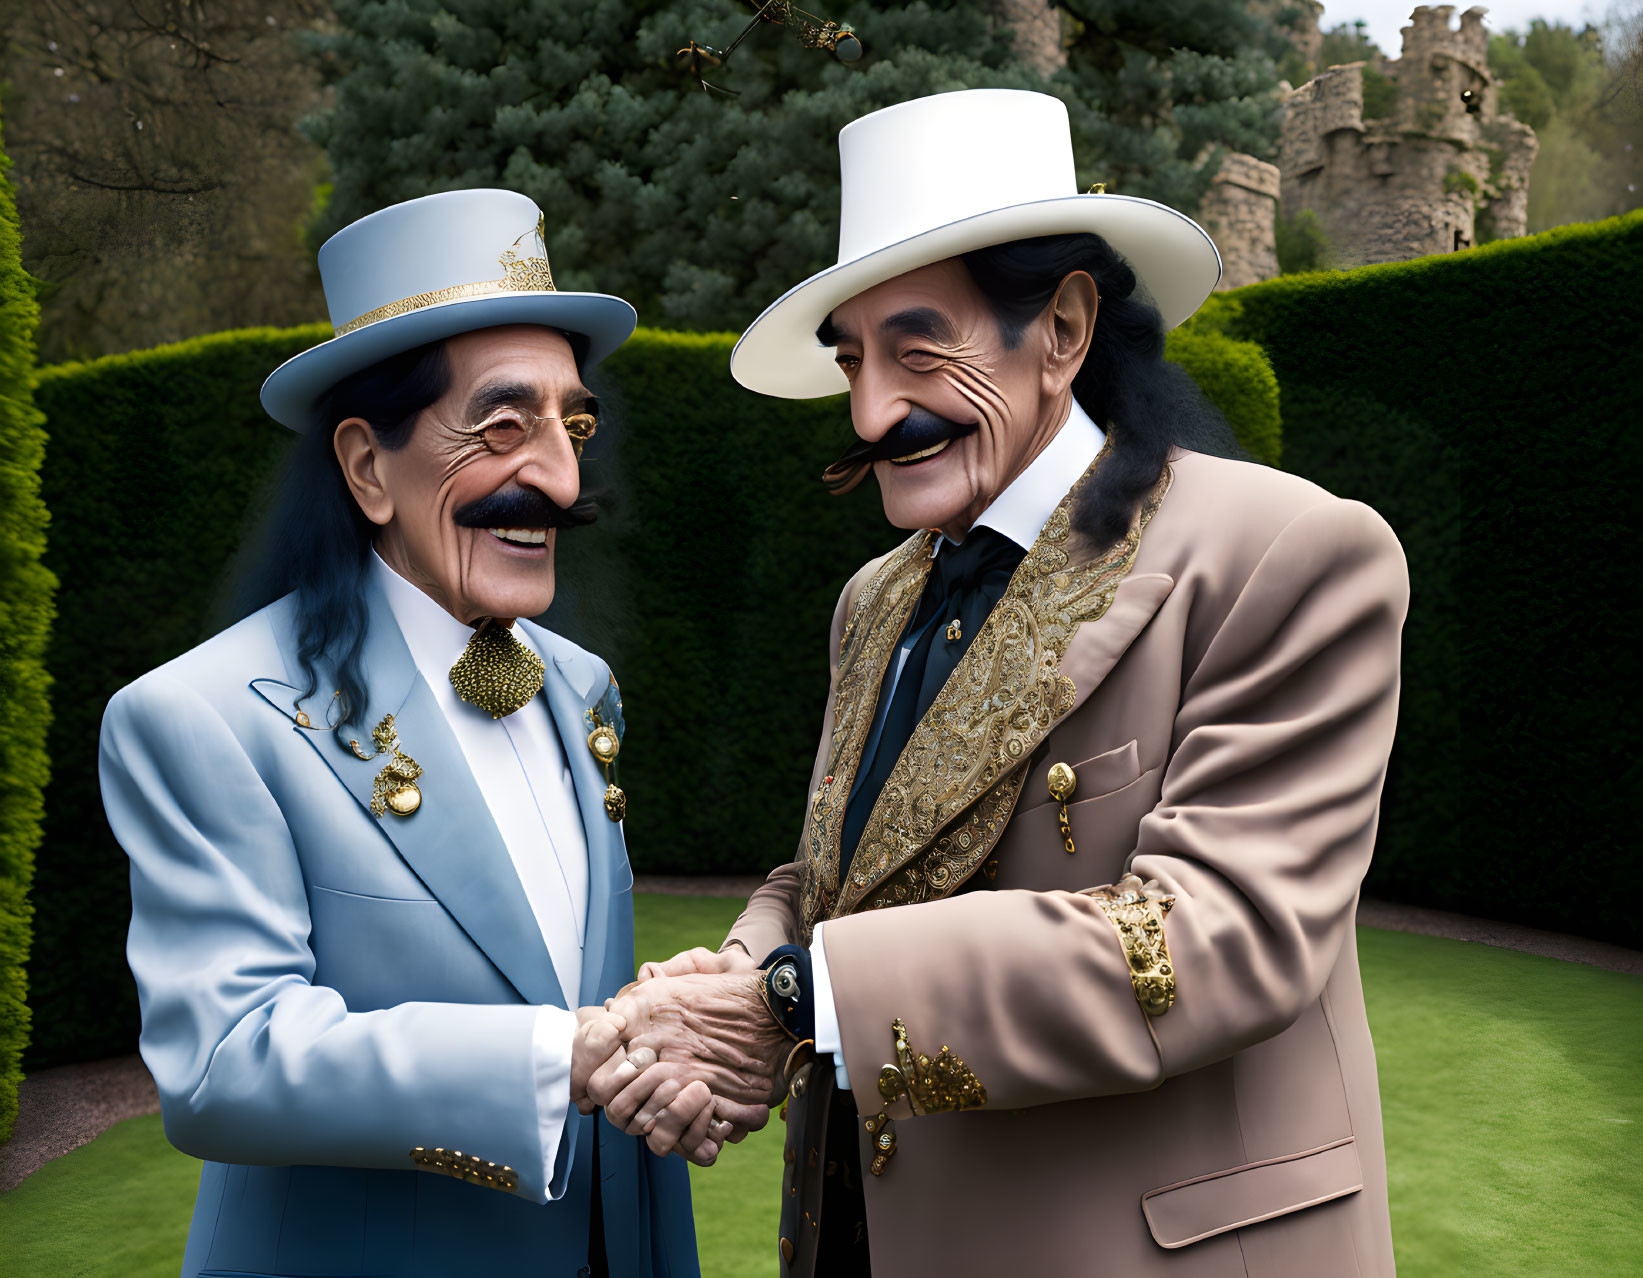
x=787, y=991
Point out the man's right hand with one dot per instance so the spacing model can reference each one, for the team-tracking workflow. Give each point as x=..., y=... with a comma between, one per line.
x=733, y=958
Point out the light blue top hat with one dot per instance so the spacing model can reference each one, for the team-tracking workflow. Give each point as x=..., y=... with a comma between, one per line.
x=429, y=269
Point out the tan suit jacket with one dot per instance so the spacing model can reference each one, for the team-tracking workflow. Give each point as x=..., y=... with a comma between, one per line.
x=1229, y=725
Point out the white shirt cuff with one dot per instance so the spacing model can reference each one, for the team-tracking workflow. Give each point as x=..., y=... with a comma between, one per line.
x=551, y=1039
x=828, y=1038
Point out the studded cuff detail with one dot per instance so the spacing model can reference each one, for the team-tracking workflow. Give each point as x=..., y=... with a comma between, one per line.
x=468, y=1167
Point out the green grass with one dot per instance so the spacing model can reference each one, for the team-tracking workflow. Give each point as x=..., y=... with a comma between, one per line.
x=737, y=1200
x=1512, y=1092
x=1510, y=1085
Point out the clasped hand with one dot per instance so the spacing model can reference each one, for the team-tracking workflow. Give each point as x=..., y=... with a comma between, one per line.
x=687, y=1056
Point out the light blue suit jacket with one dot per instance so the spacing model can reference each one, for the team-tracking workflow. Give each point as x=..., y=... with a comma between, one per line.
x=324, y=990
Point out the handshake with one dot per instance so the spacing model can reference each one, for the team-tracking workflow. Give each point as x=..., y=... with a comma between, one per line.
x=689, y=1056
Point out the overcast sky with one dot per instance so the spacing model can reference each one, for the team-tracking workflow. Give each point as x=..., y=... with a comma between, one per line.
x=1388, y=17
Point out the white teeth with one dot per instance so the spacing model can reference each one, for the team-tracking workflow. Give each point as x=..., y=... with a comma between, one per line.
x=520, y=536
x=913, y=457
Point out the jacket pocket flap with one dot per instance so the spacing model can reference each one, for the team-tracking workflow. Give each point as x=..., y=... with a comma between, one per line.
x=1094, y=778
x=1192, y=1210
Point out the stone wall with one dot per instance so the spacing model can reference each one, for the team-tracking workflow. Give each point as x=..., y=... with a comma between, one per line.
x=1412, y=160
x=1238, y=212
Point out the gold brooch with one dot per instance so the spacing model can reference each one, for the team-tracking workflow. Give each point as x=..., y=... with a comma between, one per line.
x=1062, y=784
x=942, y=1085
x=606, y=745
x=395, y=789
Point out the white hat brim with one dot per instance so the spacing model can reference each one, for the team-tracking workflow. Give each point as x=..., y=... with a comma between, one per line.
x=293, y=390
x=1173, y=257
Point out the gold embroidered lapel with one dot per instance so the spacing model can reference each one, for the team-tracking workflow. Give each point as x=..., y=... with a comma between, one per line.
x=947, y=799
x=870, y=637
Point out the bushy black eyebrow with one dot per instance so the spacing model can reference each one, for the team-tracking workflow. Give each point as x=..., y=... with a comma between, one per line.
x=487, y=399
x=921, y=321
x=494, y=395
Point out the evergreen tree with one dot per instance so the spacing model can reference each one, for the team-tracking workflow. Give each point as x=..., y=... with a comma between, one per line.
x=1168, y=86
x=702, y=208
x=698, y=207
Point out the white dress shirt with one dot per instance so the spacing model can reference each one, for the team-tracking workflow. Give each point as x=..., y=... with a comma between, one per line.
x=1019, y=513
x=519, y=764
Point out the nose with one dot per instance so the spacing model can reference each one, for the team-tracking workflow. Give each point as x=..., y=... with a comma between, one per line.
x=877, y=400
x=549, y=464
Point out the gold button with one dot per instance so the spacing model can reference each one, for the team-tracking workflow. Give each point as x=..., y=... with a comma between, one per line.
x=787, y=1250
x=1062, y=782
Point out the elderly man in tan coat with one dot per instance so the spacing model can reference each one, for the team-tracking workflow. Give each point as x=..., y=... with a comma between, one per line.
x=1063, y=978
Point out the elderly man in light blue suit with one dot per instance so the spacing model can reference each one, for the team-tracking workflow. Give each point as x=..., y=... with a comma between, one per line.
x=380, y=892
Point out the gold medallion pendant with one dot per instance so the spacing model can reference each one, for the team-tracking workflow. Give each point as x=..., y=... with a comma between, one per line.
x=606, y=745
x=395, y=789
x=602, y=741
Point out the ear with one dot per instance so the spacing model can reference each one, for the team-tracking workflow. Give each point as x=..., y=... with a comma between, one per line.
x=1072, y=326
x=356, y=447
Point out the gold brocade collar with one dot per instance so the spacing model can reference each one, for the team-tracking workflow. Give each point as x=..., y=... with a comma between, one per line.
x=948, y=797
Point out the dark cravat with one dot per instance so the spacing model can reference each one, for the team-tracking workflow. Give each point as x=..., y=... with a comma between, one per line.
x=965, y=583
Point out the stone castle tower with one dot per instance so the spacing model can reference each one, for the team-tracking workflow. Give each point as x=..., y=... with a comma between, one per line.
x=1412, y=157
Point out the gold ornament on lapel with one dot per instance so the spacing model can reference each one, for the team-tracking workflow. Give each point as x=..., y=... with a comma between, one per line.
x=606, y=745
x=395, y=789
x=496, y=672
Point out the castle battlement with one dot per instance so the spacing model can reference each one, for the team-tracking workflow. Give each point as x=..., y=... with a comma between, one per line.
x=1408, y=158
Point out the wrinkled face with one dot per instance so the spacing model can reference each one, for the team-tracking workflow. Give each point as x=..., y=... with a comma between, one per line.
x=466, y=518
x=957, y=414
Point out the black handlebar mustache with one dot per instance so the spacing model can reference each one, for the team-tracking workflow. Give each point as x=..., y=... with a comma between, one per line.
x=919, y=430
x=526, y=508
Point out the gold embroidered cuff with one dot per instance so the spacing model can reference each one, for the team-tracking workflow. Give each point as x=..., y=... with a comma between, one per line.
x=1137, y=911
x=468, y=1167
x=929, y=1086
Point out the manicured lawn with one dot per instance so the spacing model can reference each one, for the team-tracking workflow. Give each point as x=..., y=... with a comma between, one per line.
x=1511, y=1086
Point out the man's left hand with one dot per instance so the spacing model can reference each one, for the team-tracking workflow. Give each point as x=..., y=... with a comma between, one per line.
x=707, y=1028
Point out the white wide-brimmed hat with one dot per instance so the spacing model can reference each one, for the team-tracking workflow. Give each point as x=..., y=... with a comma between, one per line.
x=429, y=269
x=935, y=177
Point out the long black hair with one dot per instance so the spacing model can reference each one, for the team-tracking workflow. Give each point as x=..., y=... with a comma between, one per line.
x=316, y=541
x=1144, y=403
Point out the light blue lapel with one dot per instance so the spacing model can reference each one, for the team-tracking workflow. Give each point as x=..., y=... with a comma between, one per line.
x=572, y=686
x=450, y=841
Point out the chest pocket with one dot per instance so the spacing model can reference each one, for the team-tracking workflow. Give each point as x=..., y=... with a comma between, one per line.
x=382, y=951
x=1104, y=815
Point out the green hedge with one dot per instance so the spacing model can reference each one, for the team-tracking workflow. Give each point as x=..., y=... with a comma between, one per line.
x=1487, y=404
x=25, y=619
x=709, y=585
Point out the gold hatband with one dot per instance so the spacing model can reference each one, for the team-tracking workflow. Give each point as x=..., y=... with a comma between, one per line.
x=522, y=275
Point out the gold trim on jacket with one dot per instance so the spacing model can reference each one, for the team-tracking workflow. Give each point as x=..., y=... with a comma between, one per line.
x=948, y=797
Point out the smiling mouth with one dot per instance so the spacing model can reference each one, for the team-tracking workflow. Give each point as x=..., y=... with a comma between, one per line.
x=520, y=536
x=912, y=458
